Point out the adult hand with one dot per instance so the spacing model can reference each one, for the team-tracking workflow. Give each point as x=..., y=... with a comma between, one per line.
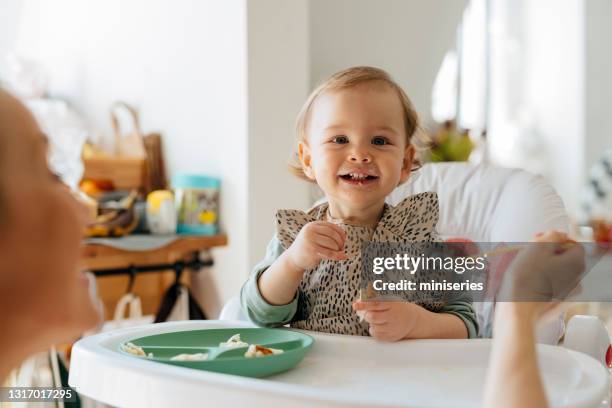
x=544, y=272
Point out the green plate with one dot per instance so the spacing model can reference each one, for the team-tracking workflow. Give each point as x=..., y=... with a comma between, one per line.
x=295, y=345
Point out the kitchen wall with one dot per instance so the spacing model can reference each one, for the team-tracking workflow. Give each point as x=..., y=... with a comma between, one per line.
x=598, y=77
x=278, y=84
x=408, y=38
x=554, y=92
x=9, y=25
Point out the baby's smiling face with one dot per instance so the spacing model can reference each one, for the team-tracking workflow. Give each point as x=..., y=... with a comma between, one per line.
x=356, y=147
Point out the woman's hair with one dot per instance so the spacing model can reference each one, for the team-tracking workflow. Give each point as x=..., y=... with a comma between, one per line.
x=3, y=170
x=347, y=79
x=3, y=214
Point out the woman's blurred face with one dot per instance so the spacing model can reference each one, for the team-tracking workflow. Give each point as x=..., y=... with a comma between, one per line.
x=41, y=229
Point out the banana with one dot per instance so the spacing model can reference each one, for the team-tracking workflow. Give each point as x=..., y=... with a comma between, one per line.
x=117, y=222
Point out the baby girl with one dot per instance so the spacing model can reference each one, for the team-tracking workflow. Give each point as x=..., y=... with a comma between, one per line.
x=355, y=135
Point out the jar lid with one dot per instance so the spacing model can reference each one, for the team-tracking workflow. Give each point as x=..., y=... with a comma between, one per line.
x=182, y=180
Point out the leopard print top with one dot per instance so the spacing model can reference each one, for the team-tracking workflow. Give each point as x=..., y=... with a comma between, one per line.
x=326, y=293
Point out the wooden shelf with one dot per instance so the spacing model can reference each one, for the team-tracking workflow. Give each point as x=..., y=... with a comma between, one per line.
x=100, y=256
x=150, y=287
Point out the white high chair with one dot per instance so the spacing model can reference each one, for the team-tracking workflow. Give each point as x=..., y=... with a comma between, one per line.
x=491, y=204
x=484, y=204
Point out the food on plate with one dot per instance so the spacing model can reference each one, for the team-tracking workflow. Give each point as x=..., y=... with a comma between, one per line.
x=190, y=357
x=234, y=341
x=255, y=350
x=135, y=350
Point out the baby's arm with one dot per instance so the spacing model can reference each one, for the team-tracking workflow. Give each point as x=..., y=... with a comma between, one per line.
x=272, y=289
x=316, y=241
x=254, y=305
x=279, y=283
x=454, y=321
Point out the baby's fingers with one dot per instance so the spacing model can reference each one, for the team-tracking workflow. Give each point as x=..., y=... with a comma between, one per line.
x=380, y=333
x=376, y=317
x=325, y=253
x=326, y=242
x=333, y=232
x=336, y=228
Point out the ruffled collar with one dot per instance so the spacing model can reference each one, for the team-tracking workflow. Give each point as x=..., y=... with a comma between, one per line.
x=413, y=219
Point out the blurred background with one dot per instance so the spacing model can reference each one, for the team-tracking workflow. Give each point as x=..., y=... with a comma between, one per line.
x=518, y=83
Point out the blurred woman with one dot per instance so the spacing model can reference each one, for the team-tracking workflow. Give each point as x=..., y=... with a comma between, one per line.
x=44, y=296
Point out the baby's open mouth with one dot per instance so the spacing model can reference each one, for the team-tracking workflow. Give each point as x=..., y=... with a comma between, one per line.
x=358, y=178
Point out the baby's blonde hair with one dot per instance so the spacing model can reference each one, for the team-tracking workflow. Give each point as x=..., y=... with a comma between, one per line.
x=347, y=79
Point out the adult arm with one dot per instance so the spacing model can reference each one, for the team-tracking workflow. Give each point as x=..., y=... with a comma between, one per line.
x=537, y=276
x=514, y=378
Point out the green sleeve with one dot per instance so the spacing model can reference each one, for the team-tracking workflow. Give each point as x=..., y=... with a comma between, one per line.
x=254, y=305
x=463, y=308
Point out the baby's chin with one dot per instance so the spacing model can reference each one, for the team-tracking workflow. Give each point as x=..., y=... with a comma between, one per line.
x=358, y=199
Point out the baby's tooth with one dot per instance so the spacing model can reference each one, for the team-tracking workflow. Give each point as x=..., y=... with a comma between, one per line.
x=356, y=176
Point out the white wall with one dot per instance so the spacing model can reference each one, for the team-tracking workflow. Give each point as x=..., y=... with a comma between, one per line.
x=278, y=67
x=9, y=25
x=554, y=90
x=408, y=38
x=598, y=77
x=183, y=64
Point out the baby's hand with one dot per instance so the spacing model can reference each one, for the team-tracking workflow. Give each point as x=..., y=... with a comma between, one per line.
x=316, y=241
x=389, y=320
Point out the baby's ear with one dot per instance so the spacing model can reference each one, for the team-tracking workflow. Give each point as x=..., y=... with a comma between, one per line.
x=305, y=159
x=407, y=163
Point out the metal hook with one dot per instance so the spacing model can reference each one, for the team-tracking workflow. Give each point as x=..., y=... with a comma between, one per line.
x=132, y=271
x=178, y=271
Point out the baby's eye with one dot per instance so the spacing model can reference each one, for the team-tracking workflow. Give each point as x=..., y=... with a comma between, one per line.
x=380, y=141
x=340, y=139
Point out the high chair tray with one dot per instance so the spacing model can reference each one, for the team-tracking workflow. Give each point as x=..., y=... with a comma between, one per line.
x=339, y=371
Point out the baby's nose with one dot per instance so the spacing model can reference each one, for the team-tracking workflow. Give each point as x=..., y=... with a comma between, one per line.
x=360, y=158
